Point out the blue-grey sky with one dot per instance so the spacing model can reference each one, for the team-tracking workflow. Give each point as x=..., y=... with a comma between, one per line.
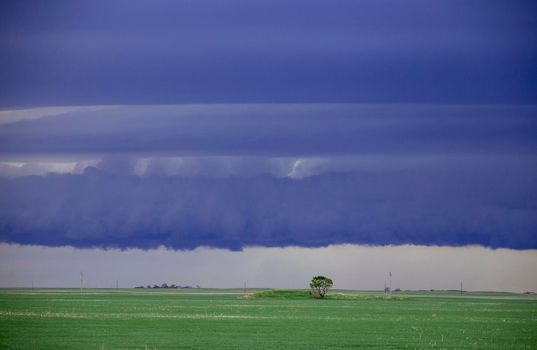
x=207, y=51
x=241, y=133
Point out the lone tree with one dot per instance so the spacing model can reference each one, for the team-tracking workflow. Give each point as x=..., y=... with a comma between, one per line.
x=319, y=286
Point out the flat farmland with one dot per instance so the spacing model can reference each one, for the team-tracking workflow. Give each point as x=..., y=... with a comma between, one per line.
x=230, y=319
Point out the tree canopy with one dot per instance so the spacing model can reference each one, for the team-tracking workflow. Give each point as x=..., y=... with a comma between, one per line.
x=319, y=286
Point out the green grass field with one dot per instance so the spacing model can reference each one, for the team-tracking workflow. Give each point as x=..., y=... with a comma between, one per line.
x=225, y=319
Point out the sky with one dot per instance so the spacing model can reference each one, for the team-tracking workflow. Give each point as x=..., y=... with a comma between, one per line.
x=308, y=51
x=221, y=134
x=350, y=267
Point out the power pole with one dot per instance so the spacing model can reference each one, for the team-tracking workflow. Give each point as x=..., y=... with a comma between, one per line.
x=81, y=280
x=461, y=288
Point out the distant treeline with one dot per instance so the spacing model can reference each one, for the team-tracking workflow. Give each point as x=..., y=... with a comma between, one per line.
x=165, y=285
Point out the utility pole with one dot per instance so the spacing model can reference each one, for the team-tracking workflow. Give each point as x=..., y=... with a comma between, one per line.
x=461, y=288
x=81, y=281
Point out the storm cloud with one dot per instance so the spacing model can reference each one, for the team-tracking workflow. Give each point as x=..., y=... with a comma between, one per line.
x=453, y=205
x=275, y=130
x=238, y=51
x=234, y=176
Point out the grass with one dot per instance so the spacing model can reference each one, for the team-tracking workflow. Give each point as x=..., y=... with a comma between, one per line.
x=305, y=294
x=282, y=294
x=223, y=319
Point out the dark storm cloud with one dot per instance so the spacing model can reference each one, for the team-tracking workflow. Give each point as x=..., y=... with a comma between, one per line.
x=136, y=52
x=487, y=202
x=275, y=130
x=273, y=175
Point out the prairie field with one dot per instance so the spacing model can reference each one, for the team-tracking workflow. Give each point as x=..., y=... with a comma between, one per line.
x=232, y=319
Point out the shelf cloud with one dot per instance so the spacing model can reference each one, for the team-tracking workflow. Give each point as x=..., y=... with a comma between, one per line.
x=236, y=176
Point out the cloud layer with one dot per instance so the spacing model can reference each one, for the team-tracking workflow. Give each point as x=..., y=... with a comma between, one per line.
x=451, y=205
x=207, y=51
x=232, y=176
x=275, y=130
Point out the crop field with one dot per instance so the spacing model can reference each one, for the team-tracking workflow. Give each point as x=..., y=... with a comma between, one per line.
x=229, y=319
